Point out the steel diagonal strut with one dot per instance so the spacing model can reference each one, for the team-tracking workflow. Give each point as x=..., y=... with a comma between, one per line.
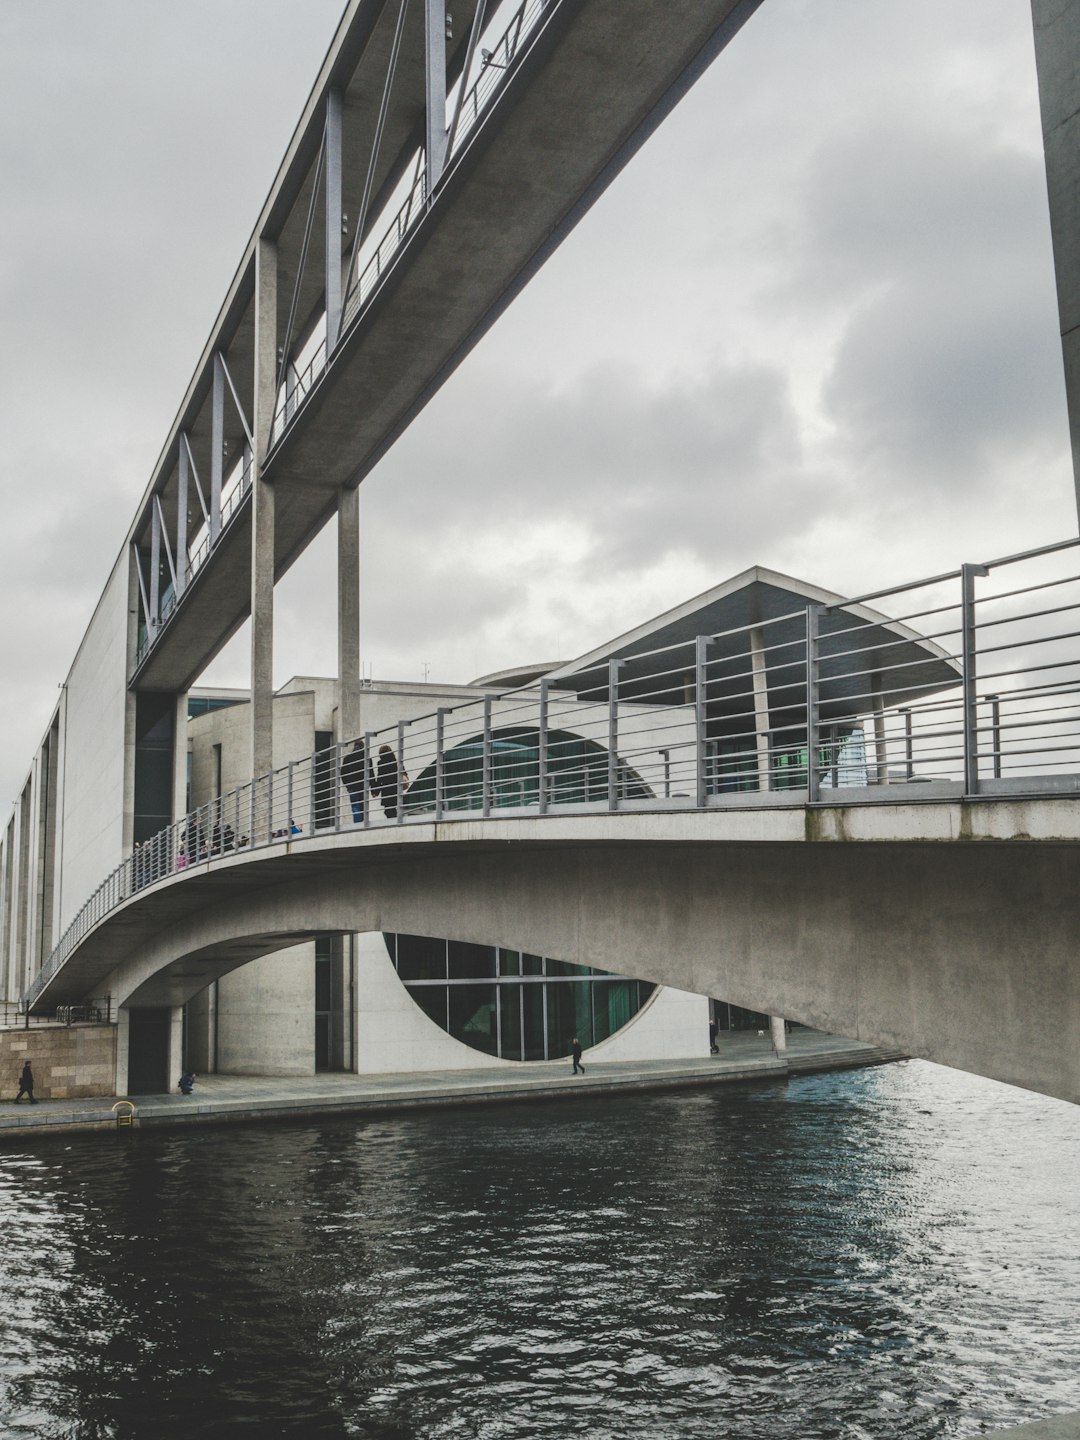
x=578, y=87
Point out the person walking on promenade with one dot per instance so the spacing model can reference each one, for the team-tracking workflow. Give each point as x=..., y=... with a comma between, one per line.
x=386, y=781
x=26, y=1084
x=353, y=765
x=714, y=1049
x=575, y=1050
x=187, y=1082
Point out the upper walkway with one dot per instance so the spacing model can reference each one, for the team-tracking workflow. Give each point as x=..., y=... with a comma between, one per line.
x=443, y=156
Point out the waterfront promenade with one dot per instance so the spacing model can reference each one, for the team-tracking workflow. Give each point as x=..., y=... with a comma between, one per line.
x=744, y=1056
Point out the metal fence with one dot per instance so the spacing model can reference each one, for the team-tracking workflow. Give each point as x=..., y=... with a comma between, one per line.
x=968, y=687
x=15, y=1015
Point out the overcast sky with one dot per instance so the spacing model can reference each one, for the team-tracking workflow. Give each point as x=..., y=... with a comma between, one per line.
x=811, y=326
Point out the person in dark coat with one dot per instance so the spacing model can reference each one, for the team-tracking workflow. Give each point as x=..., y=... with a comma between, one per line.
x=713, y=1047
x=386, y=781
x=26, y=1084
x=187, y=1082
x=575, y=1050
x=352, y=777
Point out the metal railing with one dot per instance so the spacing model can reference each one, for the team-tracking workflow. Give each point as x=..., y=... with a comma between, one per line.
x=969, y=687
x=16, y=1015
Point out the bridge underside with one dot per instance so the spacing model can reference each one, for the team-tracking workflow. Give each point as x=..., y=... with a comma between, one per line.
x=962, y=952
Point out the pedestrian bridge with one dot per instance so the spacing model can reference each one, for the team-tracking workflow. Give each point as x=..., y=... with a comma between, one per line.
x=861, y=820
x=945, y=930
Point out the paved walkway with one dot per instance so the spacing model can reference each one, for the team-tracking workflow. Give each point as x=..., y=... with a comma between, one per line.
x=220, y=1098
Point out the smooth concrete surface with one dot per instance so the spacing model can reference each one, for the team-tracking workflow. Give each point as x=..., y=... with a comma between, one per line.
x=744, y=1057
x=959, y=950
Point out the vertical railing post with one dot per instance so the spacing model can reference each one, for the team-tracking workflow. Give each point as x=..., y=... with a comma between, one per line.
x=401, y=772
x=613, y=734
x=909, y=749
x=367, y=778
x=813, y=703
x=440, y=773
x=542, y=749
x=485, y=774
x=701, y=654
x=995, y=732
x=969, y=640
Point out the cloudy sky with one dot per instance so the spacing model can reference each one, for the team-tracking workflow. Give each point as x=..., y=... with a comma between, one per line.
x=811, y=326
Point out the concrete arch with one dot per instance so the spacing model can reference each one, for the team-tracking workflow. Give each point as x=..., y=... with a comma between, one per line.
x=962, y=952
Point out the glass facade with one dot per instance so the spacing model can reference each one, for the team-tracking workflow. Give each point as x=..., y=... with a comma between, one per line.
x=576, y=771
x=512, y=1004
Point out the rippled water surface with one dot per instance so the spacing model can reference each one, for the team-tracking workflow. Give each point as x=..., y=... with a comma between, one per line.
x=880, y=1253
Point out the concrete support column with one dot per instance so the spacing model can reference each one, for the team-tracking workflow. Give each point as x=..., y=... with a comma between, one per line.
x=262, y=513
x=180, y=756
x=123, y=1029
x=761, y=706
x=1057, y=63
x=176, y=1046
x=348, y=611
x=778, y=1033
x=881, y=748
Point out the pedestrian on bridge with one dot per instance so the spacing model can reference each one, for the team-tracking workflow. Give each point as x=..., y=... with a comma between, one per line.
x=353, y=766
x=26, y=1084
x=389, y=780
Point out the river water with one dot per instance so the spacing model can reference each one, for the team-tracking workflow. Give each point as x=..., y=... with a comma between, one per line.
x=881, y=1253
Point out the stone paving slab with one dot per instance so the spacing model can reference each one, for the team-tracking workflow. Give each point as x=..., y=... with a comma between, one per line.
x=232, y=1098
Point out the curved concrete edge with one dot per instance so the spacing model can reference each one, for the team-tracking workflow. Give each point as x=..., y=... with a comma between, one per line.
x=1060, y=1427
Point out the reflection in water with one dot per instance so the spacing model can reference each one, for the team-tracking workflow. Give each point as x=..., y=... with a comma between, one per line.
x=881, y=1253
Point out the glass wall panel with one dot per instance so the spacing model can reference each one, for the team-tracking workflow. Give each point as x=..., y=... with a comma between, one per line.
x=532, y=1007
x=432, y=1001
x=421, y=958
x=471, y=962
x=569, y=1012
x=510, y=1021
x=509, y=962
x=472, y=1016
x=563, y=967
x=532, y=964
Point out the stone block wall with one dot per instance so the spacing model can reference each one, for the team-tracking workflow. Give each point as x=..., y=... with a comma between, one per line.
x=70, y=1061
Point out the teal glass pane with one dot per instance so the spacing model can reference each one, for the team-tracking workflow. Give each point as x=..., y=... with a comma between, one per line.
x=509, y=962
x=510, y=1021
x=432, y=1001
x=569, y=1012
x=471, y=962
x=472, y=1016
x=421, y=958
x=532, y=1008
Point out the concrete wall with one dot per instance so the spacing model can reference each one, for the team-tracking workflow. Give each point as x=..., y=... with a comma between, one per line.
x=266, y=1015
x=69, y=1062
x=395, y=1035
x=673, y=1025
x=93, y=801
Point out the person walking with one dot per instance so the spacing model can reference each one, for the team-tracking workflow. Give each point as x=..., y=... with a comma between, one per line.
x=714, y=1049
x=387, y=781
x=26, y=1084
x=353, y=765
x=575, y=1050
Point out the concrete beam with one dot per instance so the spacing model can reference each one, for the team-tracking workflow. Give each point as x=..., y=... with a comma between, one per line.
x=960, y=950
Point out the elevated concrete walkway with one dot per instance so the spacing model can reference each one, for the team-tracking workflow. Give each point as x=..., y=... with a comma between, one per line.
x=744, y=1056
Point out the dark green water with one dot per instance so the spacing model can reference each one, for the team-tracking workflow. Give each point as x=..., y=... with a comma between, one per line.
x=884, y=1253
